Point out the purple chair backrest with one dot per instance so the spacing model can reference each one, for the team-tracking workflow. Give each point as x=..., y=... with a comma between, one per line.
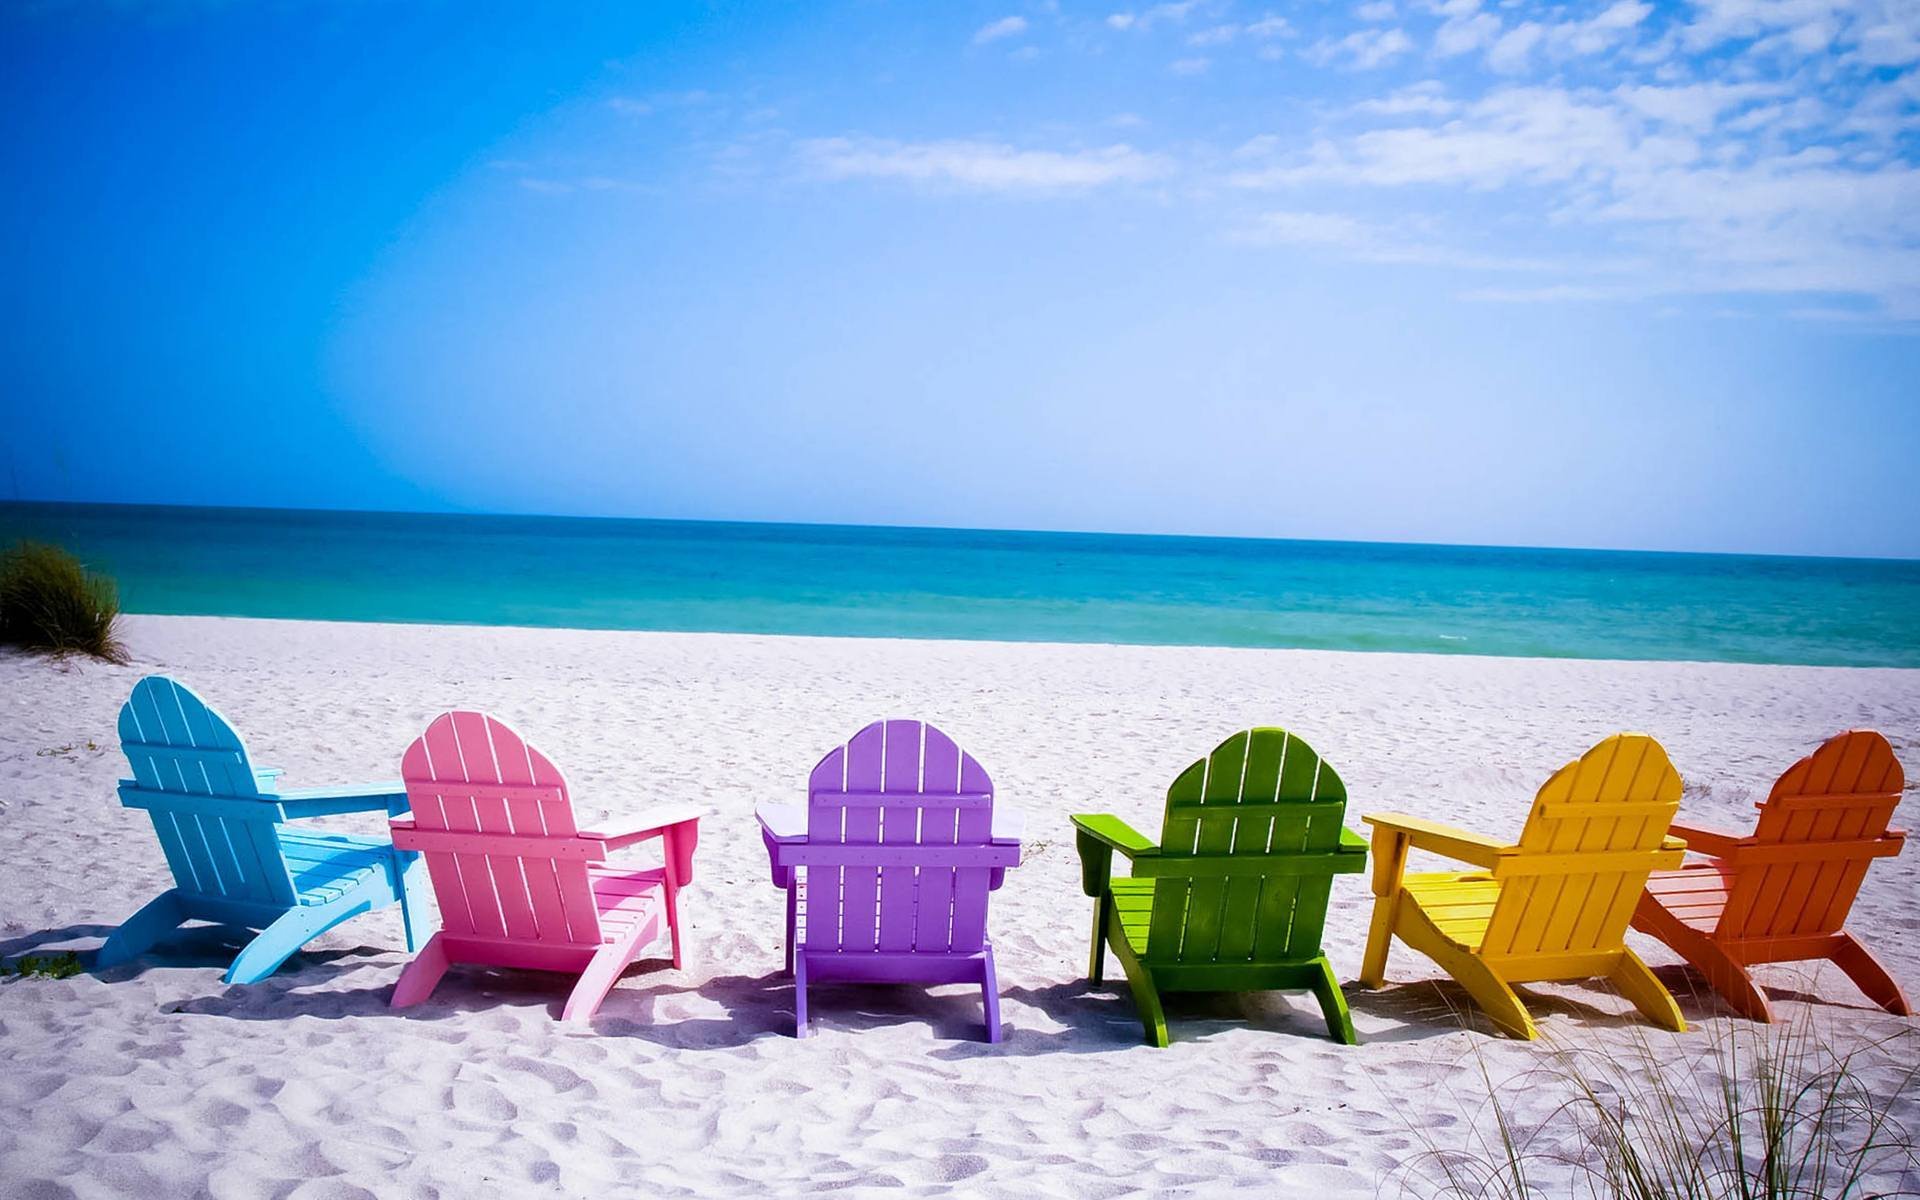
x=904, y=788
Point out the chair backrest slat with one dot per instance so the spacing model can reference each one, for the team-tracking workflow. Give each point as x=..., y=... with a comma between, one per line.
x=1614, y=803
x=901, y=784
x=1845, y=791
x=471, y=773
x=1263, y=795
x=178, y=746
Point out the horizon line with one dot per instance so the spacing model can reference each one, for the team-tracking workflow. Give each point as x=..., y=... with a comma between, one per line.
x=1113, y=533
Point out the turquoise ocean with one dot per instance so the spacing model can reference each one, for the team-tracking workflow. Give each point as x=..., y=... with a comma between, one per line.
x=871, y=581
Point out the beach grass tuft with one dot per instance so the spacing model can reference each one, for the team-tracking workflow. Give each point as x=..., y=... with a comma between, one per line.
x=44, y=966
x=1759, y=1113
x=50, y=602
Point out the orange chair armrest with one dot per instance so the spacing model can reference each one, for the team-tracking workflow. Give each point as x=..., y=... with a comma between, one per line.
x=1705, y=841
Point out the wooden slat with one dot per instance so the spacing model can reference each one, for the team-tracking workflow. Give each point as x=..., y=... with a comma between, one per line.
x=970, y=885
x=1254, y=827
x=191, y=754
x=526, y=883
x=910, y=798
x=900, y=826
x=1177, y=834
x=1310, y=781
x=867, y=761
x=1206, y=900
x=501, y=846
x=941, y=763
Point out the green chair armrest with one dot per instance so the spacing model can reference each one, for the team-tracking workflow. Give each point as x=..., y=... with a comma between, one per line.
x=1113, y=832
x=1351, y=842
x=1098, y=835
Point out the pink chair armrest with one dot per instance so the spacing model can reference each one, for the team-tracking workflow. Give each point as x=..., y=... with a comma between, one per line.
x=658, y=822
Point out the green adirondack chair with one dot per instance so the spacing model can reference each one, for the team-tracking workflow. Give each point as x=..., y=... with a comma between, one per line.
x=1235, y=895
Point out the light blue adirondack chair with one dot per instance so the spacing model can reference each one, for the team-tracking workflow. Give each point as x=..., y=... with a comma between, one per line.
x=234, y=862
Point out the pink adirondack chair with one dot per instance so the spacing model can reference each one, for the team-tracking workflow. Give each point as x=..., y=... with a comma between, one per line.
x=889, y=865
x=519, y=884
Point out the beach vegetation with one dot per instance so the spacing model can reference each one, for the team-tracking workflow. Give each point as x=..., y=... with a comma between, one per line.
x=50, y=602
x=1757, y=1113
x=44, y=966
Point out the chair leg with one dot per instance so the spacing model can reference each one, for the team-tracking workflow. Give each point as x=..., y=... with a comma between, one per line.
x=1494, y=995
x=793, y=921
x=422, y=975
x=800, y=995
x=1146, y=997
x=1373, y=967
x=156, y=918
x=1096, y=966
x=673, y=929
x=1729, y=978
x=1333, y=1003
x=298, y=926
x=1870, y=975
x=1724, y=973
x=597, y=980
x=990, y=995
x=1638, y=984
x=414, y=890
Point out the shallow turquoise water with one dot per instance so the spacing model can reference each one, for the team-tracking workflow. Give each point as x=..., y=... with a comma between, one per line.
x=871, y=581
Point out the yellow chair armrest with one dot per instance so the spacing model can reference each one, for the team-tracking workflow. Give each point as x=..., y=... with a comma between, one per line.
x=1461, y=845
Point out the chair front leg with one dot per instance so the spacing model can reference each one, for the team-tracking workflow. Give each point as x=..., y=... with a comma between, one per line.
x=793, y=920
x=1102, y=909
x=1389, y=864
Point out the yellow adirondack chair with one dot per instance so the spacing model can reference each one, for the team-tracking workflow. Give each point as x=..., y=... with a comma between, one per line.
x=1552, y=906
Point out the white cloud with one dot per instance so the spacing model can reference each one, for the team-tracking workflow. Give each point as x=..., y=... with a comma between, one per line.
x=1512, y=50
x=1750, y=171
x=1696, y=106
x=980, y=166
x=1005, y=27
x=1159, y=14
x=1714, y=183
x=1363, y=241
x=1606, y=30
x=1465, y=32
x=1875, y=33
x=1428, y=98
x=1363, y=48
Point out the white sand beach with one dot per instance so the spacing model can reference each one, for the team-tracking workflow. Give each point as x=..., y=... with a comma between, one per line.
x=156, y=1080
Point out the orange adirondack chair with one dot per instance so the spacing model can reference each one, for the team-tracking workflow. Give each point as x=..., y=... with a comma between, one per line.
x=1782, y=893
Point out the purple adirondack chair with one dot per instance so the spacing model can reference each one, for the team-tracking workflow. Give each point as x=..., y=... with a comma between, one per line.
x=889, y=865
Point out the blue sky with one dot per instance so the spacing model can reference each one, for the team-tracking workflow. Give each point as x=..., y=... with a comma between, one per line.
x=1601, y=274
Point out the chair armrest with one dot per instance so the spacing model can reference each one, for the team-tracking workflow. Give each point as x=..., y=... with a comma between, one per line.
x=1115, y=834
x=657, y=823
x=1462, y=845
x=1704, y=841
x=1097, y=836
x=1350, y=842
x=782, y=822
x=264, y=777
x=388, y=796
